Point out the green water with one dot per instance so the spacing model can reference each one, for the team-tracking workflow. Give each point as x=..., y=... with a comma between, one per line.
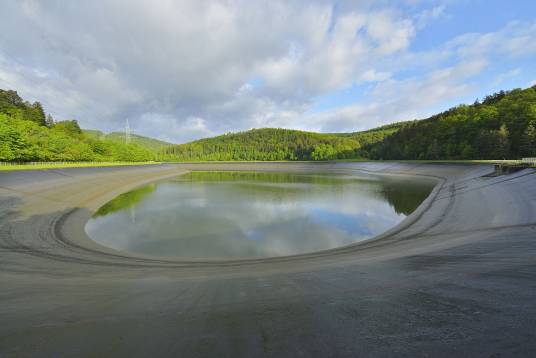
x=249, y=215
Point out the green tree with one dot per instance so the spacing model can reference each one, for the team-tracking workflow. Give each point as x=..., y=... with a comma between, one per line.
x=502, y=149
x=35, y=113
x=11, y=140
x=23, y=137
x=70, y=127
x=433, y=150
x=527, y=146
x=323, y=152
x=492, y=144
x=49, y=121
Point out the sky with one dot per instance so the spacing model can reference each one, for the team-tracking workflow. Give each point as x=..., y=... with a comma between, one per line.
x=186, y=69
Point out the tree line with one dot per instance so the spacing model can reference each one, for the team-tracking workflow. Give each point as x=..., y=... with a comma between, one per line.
x=28, y=134
x=500, y=126
x=277, y=144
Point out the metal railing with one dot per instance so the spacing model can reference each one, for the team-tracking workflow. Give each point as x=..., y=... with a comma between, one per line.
x=528, y=161
x=65, y=164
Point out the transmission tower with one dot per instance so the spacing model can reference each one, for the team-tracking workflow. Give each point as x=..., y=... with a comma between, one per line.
x=127, y=132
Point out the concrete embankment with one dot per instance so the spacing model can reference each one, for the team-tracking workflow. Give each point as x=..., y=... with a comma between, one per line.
x=457, y=277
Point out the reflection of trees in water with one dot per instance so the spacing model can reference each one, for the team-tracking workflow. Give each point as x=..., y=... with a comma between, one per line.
x=281, y=186
x=271, y=177
x=126, y=200
x=248, y=214
x=405, y=196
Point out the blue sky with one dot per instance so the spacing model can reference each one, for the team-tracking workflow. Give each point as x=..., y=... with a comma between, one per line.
x=484, y=16
x=184, y=70
x=454, y=19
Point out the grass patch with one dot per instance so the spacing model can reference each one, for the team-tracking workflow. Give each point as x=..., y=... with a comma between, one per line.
x=57, y=165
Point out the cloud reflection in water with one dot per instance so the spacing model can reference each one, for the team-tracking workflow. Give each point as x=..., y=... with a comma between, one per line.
x=239, y=214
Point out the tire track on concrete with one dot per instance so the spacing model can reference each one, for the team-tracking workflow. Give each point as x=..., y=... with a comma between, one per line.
x=84, y=255
x=54, y=233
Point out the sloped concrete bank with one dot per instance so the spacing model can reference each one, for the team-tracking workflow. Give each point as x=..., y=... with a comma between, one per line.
x=457, y=277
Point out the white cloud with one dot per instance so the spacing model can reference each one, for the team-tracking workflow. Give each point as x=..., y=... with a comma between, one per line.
x=514, y=40
x=391, y=34
x=416, y=97
x=186, y=69
x=394, y=100
x=501, y=78
x=374, y=76
x=191, y=58
x=170, y=129
x=424, y=17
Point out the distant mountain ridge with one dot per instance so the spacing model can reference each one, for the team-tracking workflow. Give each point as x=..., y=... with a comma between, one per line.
x=152, y=144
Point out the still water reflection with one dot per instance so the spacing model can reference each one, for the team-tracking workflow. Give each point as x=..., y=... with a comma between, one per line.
x=253, y=214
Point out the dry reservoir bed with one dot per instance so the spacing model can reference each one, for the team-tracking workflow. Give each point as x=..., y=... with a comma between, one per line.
x=455, y=277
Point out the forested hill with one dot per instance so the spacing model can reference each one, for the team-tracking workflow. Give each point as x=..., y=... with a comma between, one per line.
x=145, y=142
x=28, y=134
x=501, y=126
x=278, y=144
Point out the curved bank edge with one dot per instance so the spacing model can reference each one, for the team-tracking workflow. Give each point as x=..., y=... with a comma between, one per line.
x=50, y=208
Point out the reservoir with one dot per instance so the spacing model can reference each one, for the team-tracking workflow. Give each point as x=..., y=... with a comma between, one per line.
x=239, y=215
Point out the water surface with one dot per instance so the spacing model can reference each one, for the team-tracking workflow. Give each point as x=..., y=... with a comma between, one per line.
x=253, y=214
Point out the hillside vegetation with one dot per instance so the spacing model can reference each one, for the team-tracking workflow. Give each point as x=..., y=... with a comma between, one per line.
x=278, y=144
x=152, y=144
x=27, y=134
x=502, y=126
